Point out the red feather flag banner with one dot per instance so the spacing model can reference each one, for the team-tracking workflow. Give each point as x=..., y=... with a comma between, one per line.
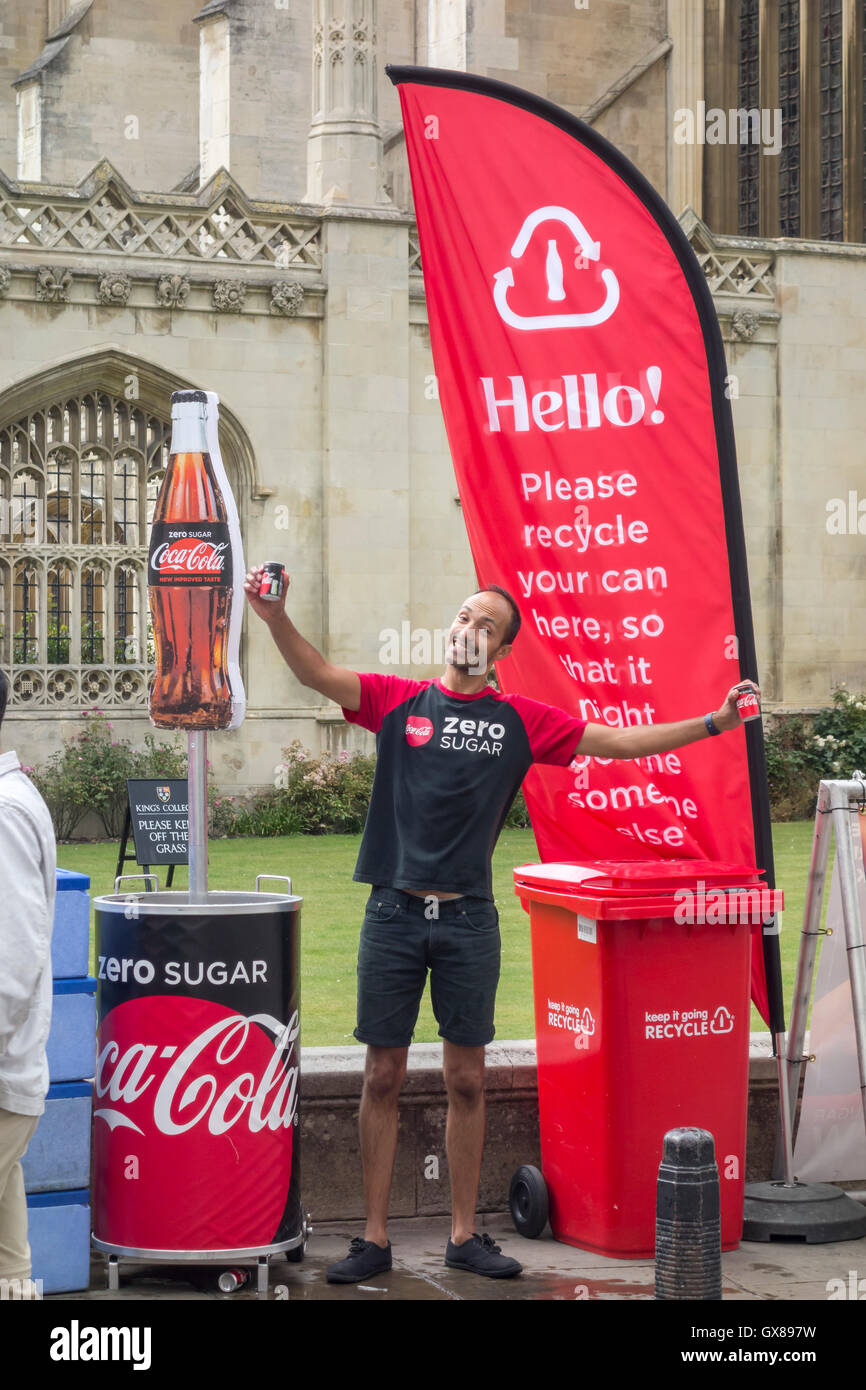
x=582, y=380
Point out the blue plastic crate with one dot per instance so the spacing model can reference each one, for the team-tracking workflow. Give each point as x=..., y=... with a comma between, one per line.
x=71, y=1045
x=70, y=938
x=58, y=1228
x=58, y=1156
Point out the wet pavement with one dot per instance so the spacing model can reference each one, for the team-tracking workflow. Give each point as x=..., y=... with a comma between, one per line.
x=552, y=1271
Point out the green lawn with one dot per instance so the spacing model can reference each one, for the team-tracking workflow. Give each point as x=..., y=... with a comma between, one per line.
x=321, y=870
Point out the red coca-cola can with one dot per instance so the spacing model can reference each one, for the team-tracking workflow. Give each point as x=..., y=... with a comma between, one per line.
x=747, y=704
x=195, y=1097
x=273, y=581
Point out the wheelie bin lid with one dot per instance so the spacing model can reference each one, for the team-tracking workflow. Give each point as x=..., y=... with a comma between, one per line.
x=638, y=877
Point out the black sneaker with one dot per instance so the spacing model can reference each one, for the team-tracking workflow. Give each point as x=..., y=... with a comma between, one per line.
x=364, y=1260
x=480, y=1255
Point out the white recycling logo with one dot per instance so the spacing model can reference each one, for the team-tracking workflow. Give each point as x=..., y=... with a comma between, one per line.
x=590, y=250
x=722, y=1020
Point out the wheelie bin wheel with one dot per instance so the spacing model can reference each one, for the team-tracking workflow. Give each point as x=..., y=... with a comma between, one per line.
x=527, y=1201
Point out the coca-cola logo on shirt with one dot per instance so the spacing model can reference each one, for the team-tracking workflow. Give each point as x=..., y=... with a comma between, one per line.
x=198, y=1104
x=418, y=730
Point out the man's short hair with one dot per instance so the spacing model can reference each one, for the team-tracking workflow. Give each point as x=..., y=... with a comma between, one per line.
x=516, y=620
x=4, y=695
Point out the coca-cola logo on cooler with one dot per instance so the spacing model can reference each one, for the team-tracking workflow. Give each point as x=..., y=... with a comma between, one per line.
x=197, y=1105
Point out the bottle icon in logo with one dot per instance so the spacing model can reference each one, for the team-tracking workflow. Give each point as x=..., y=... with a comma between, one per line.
x=189, y=576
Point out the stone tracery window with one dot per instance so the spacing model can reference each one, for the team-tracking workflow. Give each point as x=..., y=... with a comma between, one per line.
x=831, y=54
x=799, y=66
x=789, y=104
x=78, y=482
x=747, y=91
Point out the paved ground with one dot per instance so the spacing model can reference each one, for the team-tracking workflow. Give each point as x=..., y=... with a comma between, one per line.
x=551, y=1271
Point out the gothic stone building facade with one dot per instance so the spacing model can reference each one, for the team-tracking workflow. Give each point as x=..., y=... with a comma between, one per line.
x=218, y=197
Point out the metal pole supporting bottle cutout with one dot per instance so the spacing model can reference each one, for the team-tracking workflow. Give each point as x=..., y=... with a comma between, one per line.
x=198, y=1042
x=197, y=751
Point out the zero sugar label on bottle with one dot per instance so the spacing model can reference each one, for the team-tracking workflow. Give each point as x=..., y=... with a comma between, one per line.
x=194, y=552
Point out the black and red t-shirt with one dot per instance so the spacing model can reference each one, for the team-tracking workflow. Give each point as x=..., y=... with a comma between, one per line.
x=448, y=768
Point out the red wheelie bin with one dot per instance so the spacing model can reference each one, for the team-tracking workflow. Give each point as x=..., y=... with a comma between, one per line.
x=641, y=975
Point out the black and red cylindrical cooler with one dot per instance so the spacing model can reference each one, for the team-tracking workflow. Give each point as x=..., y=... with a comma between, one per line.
x=196, y=1087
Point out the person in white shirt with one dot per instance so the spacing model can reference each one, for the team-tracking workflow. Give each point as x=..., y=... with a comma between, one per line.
x=28, y=860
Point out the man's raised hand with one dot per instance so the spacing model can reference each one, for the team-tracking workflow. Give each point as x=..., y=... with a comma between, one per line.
x=267, y=609
x=727, y=717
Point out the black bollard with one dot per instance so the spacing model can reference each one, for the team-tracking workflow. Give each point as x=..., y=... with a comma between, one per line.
x=688, y=1225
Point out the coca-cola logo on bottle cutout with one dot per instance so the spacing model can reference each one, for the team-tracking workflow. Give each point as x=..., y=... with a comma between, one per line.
x=195, y=1106
x=199, y=555
x=189, y=556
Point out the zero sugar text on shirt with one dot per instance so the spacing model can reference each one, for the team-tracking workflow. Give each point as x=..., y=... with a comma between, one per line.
x=473, y=735
x=174, y=972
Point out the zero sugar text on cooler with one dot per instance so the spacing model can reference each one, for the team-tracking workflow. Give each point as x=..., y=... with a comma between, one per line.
x=174, y=972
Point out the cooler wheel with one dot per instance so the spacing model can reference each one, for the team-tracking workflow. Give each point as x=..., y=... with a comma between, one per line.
x=527, y=1201
x=296, y=1255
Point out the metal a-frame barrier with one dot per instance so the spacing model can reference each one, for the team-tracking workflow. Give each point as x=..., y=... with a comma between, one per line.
x=836, y=802
x=789, y=1209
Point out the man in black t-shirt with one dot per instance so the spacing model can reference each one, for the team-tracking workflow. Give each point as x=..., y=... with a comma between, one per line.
x=451, y=755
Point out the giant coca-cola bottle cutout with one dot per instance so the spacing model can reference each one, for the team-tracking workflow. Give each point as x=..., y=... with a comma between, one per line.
x=193, y=566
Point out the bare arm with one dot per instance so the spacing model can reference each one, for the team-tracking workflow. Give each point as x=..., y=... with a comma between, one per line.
x=309, y=666
x=640, y=741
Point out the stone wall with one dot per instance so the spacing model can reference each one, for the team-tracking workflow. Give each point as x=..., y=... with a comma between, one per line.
x=125, y=88
x=22, y=33
x=796, y=360
x=331, y=1079
x=822, y=425
x=269, y=82
x=569, y=54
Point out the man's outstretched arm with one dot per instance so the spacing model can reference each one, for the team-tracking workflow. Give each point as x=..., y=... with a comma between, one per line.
x=642, y=740
x=309, y=666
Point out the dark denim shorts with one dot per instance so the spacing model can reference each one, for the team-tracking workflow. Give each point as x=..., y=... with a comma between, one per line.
x=460, y=946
